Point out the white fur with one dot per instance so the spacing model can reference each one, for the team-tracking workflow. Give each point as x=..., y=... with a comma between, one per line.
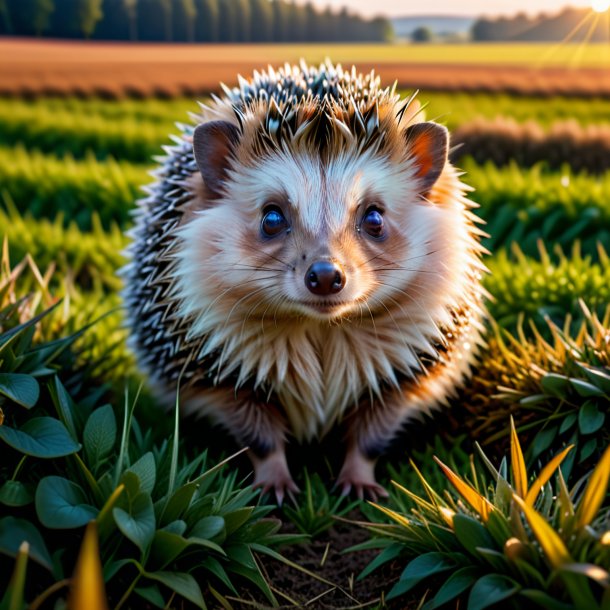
x=319, y=367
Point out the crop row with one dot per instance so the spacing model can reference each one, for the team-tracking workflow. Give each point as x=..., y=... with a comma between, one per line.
x=45, y=186
x=519, y=205
x=61, y=131
x=135, y=129
x=504, y=140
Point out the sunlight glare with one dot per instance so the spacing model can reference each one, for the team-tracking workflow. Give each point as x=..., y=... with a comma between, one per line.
x=600, y=6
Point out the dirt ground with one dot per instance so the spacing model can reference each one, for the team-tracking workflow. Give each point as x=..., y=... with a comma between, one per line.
x=36, y=67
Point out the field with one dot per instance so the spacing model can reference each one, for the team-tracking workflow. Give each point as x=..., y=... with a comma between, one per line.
x=109, y=489
x=113, y=70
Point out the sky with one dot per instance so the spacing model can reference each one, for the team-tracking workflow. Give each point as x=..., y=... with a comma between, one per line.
x=398, y=8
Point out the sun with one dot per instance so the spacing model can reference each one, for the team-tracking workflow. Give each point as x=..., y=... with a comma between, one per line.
x=600, y=6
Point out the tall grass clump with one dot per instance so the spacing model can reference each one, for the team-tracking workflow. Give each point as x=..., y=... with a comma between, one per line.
x=45, y=186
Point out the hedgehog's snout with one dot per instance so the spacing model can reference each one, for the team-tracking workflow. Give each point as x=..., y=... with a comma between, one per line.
x=324, y=278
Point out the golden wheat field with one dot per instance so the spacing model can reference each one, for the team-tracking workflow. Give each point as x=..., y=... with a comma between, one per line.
x=119, y=69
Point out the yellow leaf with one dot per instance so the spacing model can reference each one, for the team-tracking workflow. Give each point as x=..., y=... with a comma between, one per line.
x=517, y=461
x=545, y=474
x=447, y=514
x=605, y=539
x=87, y=582
x=392, y=514
x=595, y=491
x=549, y=540
x=481, y=504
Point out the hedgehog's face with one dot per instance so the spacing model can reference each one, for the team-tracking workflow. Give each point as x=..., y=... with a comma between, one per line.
x=291, y=235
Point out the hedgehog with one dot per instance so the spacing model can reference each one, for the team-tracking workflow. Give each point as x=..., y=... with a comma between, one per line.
x=307, y=259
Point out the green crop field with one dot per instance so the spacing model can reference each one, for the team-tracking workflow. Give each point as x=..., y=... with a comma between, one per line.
x=84, y=460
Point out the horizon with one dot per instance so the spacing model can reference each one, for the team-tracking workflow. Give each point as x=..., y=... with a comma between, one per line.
x=451, y=8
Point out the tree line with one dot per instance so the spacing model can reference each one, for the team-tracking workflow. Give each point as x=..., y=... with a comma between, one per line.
x=188, y=21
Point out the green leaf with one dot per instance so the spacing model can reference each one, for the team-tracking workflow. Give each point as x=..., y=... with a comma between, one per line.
x=544, y=600
x=166, y=547
x=42, y=437
x=419, y=569
x=152, y=595
x=146, y=471
x=15, y=493
x=543, y=440
x=208, y=528
x=235, y=519
x=20, y=388
x=64, y=404
x=490, y=590
x=389, y=553
x=568, y=421
x=62, y=504
x=555, y=385
x=584, y=388
x=590, y=419
x=587, y=449
x=183, y=584
x=138, y=525
x=471, y=534
x=99, y=435
x=598, y=376
x=461, y=580
x=14, y=531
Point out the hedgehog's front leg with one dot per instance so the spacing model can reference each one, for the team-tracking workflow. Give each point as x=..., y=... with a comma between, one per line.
x=370, y=429
x=262, y=428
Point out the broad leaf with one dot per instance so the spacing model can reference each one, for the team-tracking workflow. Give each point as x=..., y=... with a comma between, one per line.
x=471, y=534
x=15, y=493
x=14, y=531
x=99, y=435
x=491, y=590
x=183, y=584
x=590, y=419
x=62, y=504
x=146, y=470
x=419, y=569
x=42, y=437
x=22, y=389
x=138, y=525
x=461, y=580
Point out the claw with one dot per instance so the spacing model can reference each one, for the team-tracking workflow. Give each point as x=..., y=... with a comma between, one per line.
x=272, y=473
x=358, y=474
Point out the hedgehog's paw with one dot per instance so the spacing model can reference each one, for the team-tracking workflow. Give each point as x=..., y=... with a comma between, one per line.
x=271, y=473
x=358, y=474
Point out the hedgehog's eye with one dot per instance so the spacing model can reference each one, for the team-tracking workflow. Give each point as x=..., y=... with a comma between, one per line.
x=372, y=222
x=274, y=222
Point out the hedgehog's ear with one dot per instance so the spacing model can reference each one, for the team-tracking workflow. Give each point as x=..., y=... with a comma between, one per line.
x=427, y=144
x=213, y=144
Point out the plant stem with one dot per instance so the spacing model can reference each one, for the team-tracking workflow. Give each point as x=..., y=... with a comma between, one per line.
x=129, y=591
x=60, y=584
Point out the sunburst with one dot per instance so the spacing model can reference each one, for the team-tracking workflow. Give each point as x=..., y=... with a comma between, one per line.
x=600, y=6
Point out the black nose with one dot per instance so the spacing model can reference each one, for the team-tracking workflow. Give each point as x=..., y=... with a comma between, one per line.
x=324, y=278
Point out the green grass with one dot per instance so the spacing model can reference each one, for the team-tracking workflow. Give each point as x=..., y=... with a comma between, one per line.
x=45, y=185
x=520, y=205
x=134, y=130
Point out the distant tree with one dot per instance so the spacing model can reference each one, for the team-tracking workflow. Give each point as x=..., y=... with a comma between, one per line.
x=166, y=7
x=295, y=22
x=311, y=22
x=422, y=34
x=228, y=21
x=28, y=17
x=131, y=8
x=207, y=21
x=6, y=23
x=280, y=20
x=244, y=23
x=382, y=29
x=89, y=13
x=184, y=20
x=482, y=30
x=261, y=18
